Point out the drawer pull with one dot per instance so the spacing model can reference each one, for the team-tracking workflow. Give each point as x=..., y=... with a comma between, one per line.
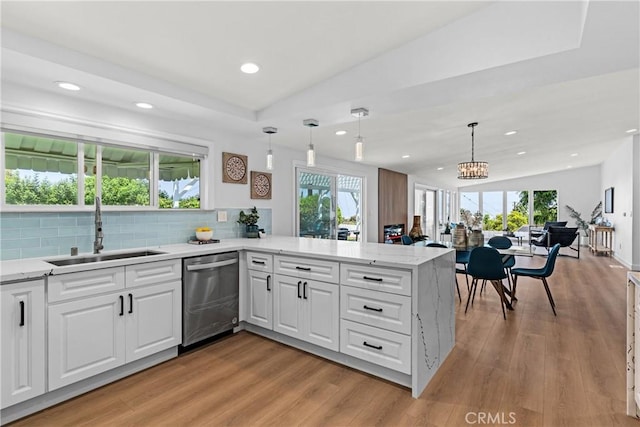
x=299, y=283
x=258, y=262
x=304, y=290
x=303, y=268
x=379, y=310
x=375, y=279
x=269, y=283
x=121, y=305
x=21, y=314
x=377, y=347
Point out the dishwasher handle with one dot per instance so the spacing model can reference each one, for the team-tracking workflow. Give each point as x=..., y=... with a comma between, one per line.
x=210, y=265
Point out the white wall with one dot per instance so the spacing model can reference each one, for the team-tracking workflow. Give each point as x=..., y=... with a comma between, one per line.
x=618, y=172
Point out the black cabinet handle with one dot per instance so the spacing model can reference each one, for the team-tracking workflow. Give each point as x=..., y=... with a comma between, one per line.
x=304, y=290
x=130, y=303
x=303, y=268
x=299, y=283
x=375, y=279
x=258, y=262
x=377, y=347
x=21, y=313
x=269, y=283
x=121, y=305
x=379, y=310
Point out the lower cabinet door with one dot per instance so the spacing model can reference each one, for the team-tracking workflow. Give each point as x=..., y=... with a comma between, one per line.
x=321, y=308
x=153, y=319
x=260, y=301
x=287, y=297
x=86, y=337
x=375, y=345
x=22, y=311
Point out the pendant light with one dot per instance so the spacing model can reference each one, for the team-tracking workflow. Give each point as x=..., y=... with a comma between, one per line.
x=473, y=169
x=359, y=113
x=311, y=153
x=269, y=130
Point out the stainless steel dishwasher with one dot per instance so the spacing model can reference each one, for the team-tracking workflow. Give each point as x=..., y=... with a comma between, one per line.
x=209, y=296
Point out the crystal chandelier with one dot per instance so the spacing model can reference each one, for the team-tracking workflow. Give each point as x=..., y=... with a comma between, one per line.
x=473, y=169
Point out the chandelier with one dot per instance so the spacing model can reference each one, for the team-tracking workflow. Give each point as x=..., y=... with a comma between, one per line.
x=473, y=169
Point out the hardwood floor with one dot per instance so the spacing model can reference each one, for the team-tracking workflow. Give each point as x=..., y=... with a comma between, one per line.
x=532, y=369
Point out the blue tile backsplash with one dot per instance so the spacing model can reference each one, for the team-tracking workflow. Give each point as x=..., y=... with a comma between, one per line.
x=34, y=234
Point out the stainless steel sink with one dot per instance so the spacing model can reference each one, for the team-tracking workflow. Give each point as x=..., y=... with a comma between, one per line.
x=101, y=257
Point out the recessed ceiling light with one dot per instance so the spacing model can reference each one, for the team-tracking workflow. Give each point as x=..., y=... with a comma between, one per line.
x=68, y=86
x=406, y=156
x=520, y=153
x=632, y=130
x=144, y=105
x=249, y=68
x=439, y=169
x=574, y=154
x=341, y=132
x=511, y=132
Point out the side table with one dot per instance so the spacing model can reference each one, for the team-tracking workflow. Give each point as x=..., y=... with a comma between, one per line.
x=601, y=239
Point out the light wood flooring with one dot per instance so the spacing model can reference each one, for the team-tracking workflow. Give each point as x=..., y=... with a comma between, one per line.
x=532, y=369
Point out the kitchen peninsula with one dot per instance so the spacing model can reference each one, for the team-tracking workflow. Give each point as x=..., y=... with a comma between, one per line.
x=384, y=309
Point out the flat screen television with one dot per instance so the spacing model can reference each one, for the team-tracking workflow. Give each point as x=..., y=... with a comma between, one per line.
x=608, y=200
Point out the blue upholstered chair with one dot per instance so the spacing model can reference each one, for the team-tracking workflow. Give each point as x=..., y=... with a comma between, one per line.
x=486, y=263
x=462, y=258
x=502, y=242
x=406, y=240
x=539, y=273
x=440, y=245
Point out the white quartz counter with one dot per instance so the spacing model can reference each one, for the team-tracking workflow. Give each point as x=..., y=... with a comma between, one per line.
x=339, y=250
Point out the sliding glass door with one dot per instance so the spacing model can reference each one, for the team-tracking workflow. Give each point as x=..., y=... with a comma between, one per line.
x=329, y=206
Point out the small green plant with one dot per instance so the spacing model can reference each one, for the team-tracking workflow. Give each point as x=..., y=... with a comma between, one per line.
x=577, y=216
x=249, y=219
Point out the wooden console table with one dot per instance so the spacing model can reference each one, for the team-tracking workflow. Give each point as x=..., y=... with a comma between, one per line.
x=601, y=239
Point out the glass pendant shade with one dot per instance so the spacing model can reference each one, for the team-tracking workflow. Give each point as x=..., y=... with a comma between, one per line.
x=270, y=159
x=359, y=149
x=311, y=156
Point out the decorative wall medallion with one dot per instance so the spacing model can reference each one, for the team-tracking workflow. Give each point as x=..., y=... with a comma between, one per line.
x=234, y=168
x=260, y=185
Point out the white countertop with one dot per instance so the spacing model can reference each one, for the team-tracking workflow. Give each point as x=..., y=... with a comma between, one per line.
x=338, y=250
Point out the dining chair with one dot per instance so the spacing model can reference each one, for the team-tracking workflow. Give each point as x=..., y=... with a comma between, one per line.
x=539, y=273
x=440, y=245
x=462, y=258
x=486, y=263
x=406, y=240
x=502, y=242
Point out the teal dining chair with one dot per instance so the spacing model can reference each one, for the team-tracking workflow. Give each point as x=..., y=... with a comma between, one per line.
x=485, y=263
x=406, y=240
x=502, y=242
x=539, y=273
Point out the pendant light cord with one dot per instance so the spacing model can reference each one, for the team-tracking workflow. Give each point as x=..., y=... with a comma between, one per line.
x=472, y=142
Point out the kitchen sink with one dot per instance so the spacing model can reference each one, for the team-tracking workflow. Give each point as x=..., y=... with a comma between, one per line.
x=101, y=257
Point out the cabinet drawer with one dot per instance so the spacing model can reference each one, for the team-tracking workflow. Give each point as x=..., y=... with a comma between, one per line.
x=376, y=278
x=85, y=283
x=384, y=348
x=379, y=309
x=307, y=268
x=259, y=261
x=152, y=273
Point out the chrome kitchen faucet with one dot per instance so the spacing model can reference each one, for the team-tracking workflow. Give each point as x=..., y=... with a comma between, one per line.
x=97, y=243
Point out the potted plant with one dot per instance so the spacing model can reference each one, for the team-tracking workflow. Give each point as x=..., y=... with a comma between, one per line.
x=581, y=223
x=251, y=222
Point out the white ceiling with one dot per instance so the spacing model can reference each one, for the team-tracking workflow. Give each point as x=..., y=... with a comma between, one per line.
x=564, y=74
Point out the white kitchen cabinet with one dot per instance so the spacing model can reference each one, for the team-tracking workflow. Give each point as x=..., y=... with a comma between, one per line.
x=91, y=335
x=153, y=320
x=86, y=337
x=307, y=310
x=260, y=301
x=23, y=341
x=307, y=268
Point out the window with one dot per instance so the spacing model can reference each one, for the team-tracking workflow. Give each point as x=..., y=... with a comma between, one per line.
x=492, y=212
x=545, y=206
x=40, y=170
x=517, y=211
x=329, y=205
x=179, y=182
x=43, y=170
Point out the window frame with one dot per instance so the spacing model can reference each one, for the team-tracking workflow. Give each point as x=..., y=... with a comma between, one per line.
x=199, y=152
